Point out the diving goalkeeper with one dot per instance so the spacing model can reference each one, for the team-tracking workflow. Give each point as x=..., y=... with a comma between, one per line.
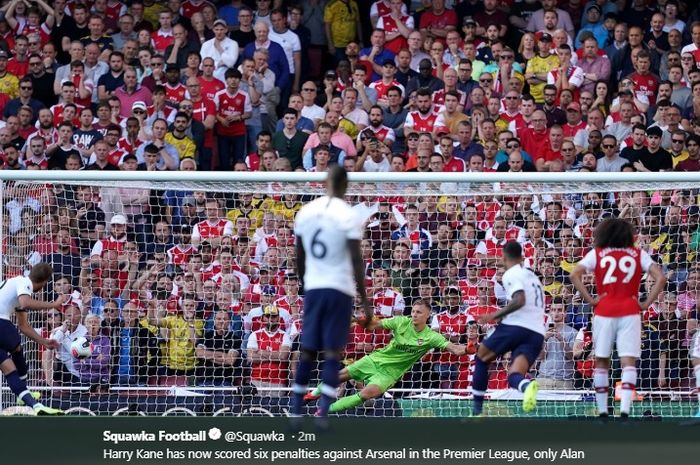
x=380, y=370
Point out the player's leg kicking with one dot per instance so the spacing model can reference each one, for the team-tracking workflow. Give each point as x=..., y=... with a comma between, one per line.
x=14, y=368
x=524, y=346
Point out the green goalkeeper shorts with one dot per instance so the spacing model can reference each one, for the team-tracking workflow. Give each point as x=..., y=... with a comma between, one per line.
x=368, y=372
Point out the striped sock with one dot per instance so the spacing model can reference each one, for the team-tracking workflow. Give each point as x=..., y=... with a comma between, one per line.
x=629, y=382
x=602, y=385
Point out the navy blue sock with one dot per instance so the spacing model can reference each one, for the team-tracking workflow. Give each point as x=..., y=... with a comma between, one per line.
x=329, y=384
x=301, y=380
x=480, y=382
x=518, y=381
x=20, y=363
x=19, y=387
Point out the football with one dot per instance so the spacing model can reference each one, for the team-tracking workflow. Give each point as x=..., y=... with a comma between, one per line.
x=81, y=348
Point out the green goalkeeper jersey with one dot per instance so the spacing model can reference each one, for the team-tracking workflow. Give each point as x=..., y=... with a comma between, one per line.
x=406, y=347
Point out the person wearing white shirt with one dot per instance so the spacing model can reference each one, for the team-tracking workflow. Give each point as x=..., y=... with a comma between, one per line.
x=222, y=49
x=290, y=43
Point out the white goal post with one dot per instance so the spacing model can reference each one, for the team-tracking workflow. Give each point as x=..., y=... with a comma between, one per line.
x=444, y=252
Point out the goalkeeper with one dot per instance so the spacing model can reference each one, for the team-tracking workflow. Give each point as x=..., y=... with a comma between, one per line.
x=380, y=370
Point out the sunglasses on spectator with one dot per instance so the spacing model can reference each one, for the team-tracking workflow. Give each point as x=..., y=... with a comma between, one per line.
x=608, y=146
x=677, y=141
x=485, y=80
x=512, y=146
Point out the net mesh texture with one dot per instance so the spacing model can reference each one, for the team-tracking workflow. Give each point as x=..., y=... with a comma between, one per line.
x=168, y=281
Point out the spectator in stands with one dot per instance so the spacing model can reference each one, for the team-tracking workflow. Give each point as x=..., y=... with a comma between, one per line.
x=95, y=369
x=451, y=322
x=218, y=351
x=65, y=371
x=268, y=351
x=289, y=142
x=556, y=370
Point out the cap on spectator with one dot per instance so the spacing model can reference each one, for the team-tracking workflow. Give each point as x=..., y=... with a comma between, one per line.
x=268, y=290
x=189, y=200
x=141, y=105
x=271, y=310
x=545, y=37
x=3, y=54
x=118, y=219
x=452, y=290
x=219, y=22
x=390, y=62
x=172, y=306
x=654, y=131
x=330, y=74
x=574, y=106
x=593, y=7
x=468, y=21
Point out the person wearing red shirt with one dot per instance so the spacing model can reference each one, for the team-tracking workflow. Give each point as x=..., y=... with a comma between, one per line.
x=574, y=123
x=544, y=159
x=209, y=84
x=387, y=81
x=396, y=24
x=204, y=111
x=534, y=140
x=422, y=120
x=618, y=266
x=451, y=163
x=174, y=90
x=438, y=20
x=450, y=77
x=485, y=303
x=213, y=228
x=190, y=7
x=233, y=107
x=511, y=111
x=163, y=37
x=376, y=129
x=645, y=82
x=490, y=251
x=19, y=63
x=452, y=323
x=268, y=353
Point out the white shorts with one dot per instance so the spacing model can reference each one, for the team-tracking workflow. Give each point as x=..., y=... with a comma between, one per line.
x=695, y=345
x=625, y=333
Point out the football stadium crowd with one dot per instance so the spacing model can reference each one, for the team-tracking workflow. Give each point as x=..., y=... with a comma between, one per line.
x=194, y=288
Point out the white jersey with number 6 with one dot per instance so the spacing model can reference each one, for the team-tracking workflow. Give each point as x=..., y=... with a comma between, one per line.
x=324, y=226
x=530, y=315
x=10, y=291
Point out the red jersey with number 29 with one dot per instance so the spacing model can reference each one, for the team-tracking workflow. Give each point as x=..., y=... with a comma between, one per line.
x=618, y=273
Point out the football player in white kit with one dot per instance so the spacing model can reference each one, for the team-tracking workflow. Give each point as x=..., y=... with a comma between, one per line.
x=16, y=297
x=520, y=331
x=329, y=261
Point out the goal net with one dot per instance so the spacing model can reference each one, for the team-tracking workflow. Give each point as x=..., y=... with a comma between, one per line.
x=183, y=283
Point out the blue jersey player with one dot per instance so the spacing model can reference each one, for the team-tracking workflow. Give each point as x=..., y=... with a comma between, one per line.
x=329, y=261
x=520, y=331
x=16, y=297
